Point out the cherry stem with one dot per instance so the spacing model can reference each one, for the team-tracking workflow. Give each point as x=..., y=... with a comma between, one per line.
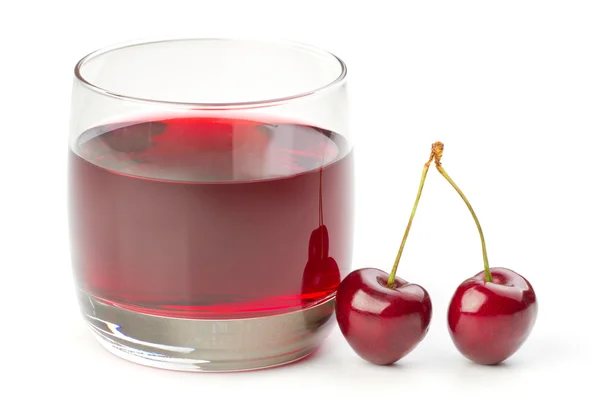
x=392, y=277
x=437, y=150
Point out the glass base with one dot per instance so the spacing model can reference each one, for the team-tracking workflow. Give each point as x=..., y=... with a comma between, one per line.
x=208, y=345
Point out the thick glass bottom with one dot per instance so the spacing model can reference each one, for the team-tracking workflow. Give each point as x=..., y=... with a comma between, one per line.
x=208, y=345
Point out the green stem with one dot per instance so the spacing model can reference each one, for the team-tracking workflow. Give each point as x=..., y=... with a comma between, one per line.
x=486, y=266
x=391, y=279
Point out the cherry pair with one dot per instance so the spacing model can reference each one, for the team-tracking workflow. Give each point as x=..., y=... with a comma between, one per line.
x=384, y=317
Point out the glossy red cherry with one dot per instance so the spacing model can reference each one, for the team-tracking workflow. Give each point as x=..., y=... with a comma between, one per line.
x=492, y=313
x=382, y=324
x=489, y=321
x=381, y=316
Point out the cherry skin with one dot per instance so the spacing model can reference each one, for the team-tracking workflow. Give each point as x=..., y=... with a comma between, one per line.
x=383, y=317
x=380, y=323
x=489, y=321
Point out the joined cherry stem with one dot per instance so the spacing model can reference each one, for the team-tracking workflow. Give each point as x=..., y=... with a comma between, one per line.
x=392, y=277
x=437, y=151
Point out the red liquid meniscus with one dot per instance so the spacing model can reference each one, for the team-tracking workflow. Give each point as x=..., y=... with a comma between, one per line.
x=210, y=218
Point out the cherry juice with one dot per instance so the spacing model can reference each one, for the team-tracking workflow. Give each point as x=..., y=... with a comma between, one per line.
x=210, y=218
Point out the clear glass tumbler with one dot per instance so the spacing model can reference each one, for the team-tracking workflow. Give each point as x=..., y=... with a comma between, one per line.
x=211, y=200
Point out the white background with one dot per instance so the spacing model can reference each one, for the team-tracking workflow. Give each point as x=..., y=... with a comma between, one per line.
x=511, y=87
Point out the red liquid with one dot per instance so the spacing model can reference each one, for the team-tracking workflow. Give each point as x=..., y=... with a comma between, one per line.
x=210, y=218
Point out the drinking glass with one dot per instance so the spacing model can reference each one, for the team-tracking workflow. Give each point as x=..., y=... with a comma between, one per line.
x=210, y=200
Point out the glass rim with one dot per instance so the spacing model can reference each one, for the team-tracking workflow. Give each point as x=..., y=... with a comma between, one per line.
x=339, y=80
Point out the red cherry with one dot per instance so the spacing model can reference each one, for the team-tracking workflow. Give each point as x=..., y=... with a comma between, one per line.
x=382, y=324
x=491, y=314
x=383, y=317
x=489, y=321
